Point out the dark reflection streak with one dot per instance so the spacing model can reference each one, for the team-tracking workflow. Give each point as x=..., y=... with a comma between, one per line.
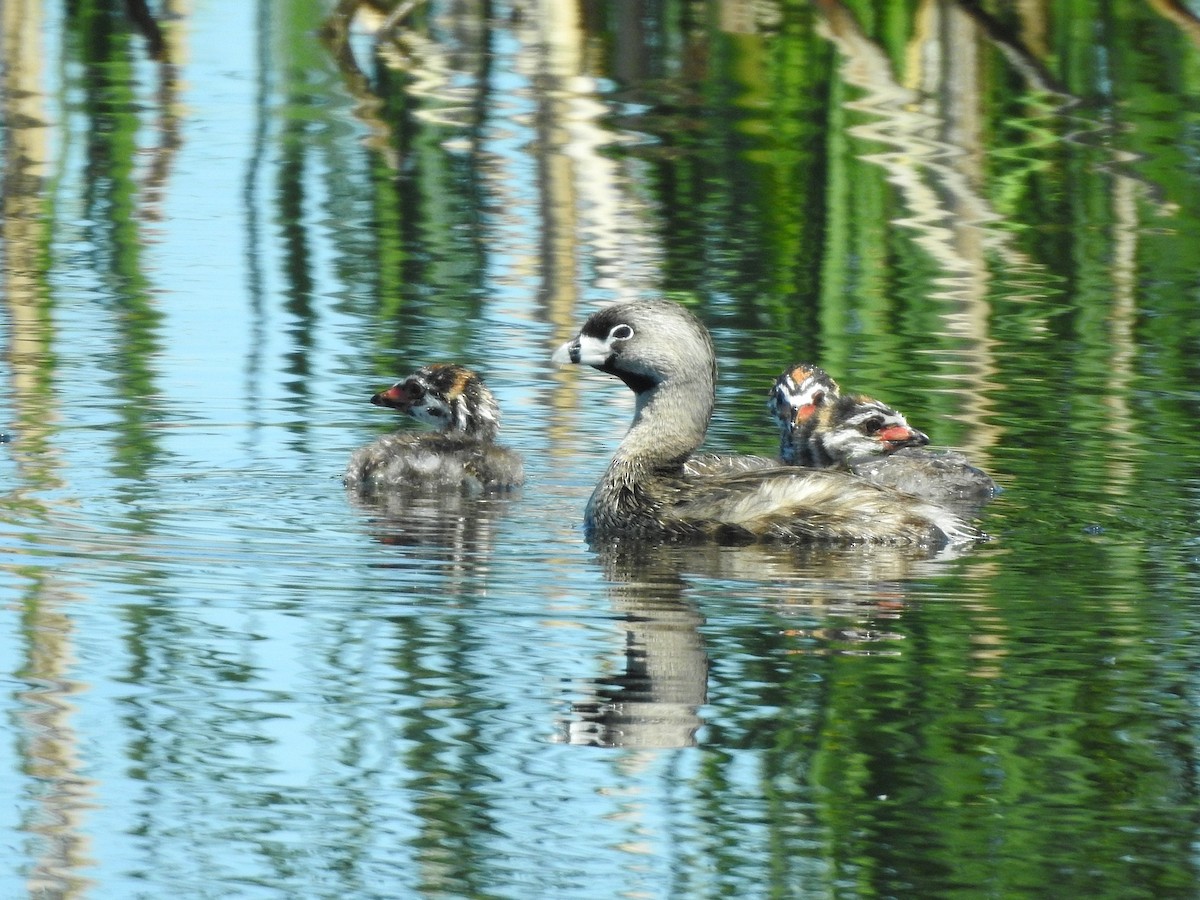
x=481, y=105
x=398, y=228
x=148, y=26
x=475, y=36
x=170, y=139
x=111, y=198
x=450, y=777
x=452, y=537
x=369, y=107
x=1014, y=50
x=1179, y=15
x=440, y=199
x=296, y=256
x=254, y=166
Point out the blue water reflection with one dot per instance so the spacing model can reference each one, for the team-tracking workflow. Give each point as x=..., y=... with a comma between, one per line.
x=226, y=676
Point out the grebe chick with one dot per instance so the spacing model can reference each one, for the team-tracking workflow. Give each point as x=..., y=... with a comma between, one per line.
x=794, y=398
x=462, y=453
x=849, y=429
x=803, y=387
x=665, y=356
x=871, y=439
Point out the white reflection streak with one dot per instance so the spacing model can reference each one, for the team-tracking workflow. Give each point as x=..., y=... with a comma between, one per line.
x=434, y=79
x=590, y=214
x=950, y=217
x=609, y=219
x=52, y=796
x=591, y=209
x=1122, y=319
x=945, y=209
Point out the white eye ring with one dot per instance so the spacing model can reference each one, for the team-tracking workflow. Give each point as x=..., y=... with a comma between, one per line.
x=620, y=333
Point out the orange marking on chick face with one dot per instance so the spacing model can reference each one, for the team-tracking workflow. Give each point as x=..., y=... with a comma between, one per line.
x=447, y=379
x=804, y=413
x=895, y=434
x=461, y=376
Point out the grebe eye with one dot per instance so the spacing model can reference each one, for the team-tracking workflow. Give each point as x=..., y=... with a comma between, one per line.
x=872, y=425
x=413, y=390
x=620, y=333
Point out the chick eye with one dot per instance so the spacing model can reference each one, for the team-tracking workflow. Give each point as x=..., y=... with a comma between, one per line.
x=620, y=333
x=413, y=390
x=871, y=426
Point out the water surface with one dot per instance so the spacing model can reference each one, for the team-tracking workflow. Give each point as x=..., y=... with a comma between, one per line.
x=226, y=677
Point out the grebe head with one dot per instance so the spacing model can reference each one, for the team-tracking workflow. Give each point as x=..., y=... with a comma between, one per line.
x=451, y=398
x=855, y=427
x=794, y=399
x=645, y=343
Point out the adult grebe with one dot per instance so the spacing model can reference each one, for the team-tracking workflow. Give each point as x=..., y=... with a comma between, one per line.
x=665, y=356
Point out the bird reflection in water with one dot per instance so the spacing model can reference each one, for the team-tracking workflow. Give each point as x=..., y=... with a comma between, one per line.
x=453, y=530
x=655, y=699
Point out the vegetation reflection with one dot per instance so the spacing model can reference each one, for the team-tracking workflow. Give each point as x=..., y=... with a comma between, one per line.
x=986, y=213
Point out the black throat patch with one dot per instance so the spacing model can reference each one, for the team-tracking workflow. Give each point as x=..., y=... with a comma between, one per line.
x=635, y=382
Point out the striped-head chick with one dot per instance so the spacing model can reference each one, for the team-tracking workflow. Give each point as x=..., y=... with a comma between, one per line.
x=451, y=398
x=794, y=400
x=854, y=428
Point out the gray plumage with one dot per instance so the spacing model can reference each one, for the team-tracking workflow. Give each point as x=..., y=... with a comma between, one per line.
x=665, y=356
x=821, y=427
x=462, y=454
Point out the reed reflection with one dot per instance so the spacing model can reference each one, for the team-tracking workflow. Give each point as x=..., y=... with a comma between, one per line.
x=118, y=194
x=50, y=786
x=934, y=148
x=423, y=254
x=57, y=795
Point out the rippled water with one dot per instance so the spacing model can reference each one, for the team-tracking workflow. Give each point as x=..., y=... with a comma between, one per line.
x=227, y=677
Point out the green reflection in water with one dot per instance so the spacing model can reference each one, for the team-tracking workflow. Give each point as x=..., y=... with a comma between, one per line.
x=1005, y=250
